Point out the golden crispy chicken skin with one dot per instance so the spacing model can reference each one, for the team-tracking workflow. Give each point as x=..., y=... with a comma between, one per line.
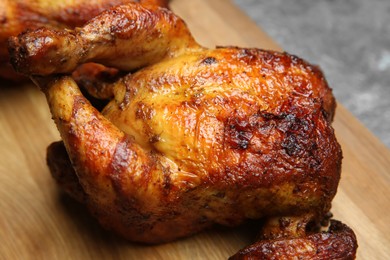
x=17, y=16
x=192, y=137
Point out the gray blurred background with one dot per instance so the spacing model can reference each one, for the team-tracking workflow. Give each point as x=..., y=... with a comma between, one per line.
x=349, y=39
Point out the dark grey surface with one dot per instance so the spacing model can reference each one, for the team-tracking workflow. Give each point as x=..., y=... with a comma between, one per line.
x=348, y=39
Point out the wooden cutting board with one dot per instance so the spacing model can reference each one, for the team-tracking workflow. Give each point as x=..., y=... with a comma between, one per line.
x=37, y=221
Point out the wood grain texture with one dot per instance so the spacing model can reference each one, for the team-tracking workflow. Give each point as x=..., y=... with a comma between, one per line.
x=38, y=222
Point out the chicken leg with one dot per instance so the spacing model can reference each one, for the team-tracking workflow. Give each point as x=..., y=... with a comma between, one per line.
x=17, y=16
x=125, y=187
x=136, y=36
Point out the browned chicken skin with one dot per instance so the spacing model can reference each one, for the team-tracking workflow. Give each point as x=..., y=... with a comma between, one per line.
x=17, y=16
x=338, y=243
x=194, y=136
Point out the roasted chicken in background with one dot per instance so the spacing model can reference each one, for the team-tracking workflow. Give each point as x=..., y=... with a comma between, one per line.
x=17, y=16
x=191, y=137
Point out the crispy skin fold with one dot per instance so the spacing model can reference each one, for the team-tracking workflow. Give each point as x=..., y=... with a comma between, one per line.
x=193, y=137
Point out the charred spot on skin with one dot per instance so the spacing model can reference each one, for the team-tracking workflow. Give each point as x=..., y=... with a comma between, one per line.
x=239, y=131
x=209, y=61
x=238, y=135
x=297, y=132
x=291, y=145
x=271, y=116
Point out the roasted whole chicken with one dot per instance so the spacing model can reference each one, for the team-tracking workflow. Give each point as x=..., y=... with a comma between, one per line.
x=191, y=137
x=18, y=15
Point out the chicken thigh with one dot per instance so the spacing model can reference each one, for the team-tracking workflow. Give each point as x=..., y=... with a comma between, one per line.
x=192, y=137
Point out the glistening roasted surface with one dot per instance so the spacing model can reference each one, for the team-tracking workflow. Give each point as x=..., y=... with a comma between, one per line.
x=194, y=136
x=210, y=148
x=147, y=35
x=17, y=16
